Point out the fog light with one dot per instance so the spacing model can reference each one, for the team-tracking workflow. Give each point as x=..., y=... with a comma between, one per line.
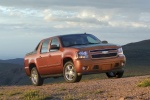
x=122, y=64
x=84, y=68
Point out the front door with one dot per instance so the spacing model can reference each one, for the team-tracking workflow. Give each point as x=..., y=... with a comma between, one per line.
x=42, y=60
x=55, y=57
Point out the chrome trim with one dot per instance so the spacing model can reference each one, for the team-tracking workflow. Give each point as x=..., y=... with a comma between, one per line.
x=103, y=52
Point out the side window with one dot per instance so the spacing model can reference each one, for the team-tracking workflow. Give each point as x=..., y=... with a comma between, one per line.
x=45, y=45
x=54, y=45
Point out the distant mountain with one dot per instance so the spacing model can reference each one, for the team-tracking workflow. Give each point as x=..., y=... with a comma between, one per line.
x=19, y=61
x=12, y=74
x=138, y=53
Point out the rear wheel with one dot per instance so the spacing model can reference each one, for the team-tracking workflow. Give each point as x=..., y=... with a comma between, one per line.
x=117, y=74
x=35, y=77
x=70, y=74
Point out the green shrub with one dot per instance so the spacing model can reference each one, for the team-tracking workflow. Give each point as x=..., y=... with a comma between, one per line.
x=144, y=83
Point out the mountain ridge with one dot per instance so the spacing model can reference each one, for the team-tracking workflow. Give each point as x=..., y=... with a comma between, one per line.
x=13, y=61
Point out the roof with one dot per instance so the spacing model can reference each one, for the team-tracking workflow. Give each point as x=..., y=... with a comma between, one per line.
x=65, y=35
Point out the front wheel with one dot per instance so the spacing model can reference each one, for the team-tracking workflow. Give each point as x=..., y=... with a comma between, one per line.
x=35, y=77
x=70, y=74
x=117, y=74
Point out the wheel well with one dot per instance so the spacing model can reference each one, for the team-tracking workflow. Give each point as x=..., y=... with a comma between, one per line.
x=32, y=65
x=66, y=60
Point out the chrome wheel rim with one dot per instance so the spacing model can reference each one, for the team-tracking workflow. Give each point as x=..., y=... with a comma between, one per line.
x=34, y=77
x=69, y=72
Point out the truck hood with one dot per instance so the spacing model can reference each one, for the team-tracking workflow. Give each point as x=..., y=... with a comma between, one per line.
x=96, y=46
x=31, y=53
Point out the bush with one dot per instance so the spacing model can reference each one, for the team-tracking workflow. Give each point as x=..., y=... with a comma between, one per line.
x=144, y=83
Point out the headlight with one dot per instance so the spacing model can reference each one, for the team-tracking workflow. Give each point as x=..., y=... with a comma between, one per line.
x=83, y=54
x=120, y=51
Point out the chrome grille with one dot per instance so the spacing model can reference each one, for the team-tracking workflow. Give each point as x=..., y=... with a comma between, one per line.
x=103, y=53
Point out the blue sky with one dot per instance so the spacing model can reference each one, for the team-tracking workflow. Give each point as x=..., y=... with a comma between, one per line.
x=23, y=23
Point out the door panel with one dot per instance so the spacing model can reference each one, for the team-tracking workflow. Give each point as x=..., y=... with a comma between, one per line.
x=42, y=62
x=54, y=62
x=55, y=57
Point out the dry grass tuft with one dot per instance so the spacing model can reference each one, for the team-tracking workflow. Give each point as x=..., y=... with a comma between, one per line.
x=144, y=83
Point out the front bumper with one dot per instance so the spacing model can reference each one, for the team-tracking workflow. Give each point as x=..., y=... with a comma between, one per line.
x=88, y=66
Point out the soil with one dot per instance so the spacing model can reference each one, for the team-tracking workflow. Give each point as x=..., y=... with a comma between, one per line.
x=105, y=89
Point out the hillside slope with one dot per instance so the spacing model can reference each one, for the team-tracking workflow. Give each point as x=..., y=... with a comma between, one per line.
x=105, y=89
x=138, y=53
x=138, y=58
x=12, y=74
x=19, y=61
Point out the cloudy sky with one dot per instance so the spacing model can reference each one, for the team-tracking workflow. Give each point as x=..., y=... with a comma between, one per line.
x=23, y=23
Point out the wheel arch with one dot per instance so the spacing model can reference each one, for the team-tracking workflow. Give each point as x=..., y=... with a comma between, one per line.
x=31, y=65
x=67, y=59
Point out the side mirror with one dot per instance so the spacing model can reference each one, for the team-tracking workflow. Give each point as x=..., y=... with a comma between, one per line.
x=54, y=47
x=105, y=42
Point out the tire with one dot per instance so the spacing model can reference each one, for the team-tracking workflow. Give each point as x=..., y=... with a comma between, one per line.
x=35, y=77
x=70, y=74
x=110, y=74
x=118, y=74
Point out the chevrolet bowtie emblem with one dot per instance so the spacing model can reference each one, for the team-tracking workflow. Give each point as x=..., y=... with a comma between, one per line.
x=105, y=52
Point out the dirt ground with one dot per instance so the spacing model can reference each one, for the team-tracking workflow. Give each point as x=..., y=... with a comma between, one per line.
x=105, y=89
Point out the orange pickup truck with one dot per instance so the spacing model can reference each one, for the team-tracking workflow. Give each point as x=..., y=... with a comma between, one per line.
x=72, y=56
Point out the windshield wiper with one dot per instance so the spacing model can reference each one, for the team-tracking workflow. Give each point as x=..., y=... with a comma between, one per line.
x=92, y=43
x=75, y=45
x=80, y=44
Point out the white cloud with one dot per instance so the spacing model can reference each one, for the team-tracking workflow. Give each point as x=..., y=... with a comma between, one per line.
x=12, y=11
x=145, y=17
x=33, y=20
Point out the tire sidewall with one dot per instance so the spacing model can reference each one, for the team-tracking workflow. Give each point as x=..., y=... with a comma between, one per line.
x=75, y=77
x=119, y=74
x=39, y=79
x=109, y=74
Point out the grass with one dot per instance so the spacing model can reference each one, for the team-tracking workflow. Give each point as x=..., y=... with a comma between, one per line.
x=98, y=92
x=13, y=93
x=62, y=89
x=1, y=94
x=34, y=95
x=144, y=83
x=69, y=97
x=24, y=95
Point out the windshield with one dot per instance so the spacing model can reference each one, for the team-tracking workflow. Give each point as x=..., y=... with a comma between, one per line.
x=79, y=39
x=37, y=47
